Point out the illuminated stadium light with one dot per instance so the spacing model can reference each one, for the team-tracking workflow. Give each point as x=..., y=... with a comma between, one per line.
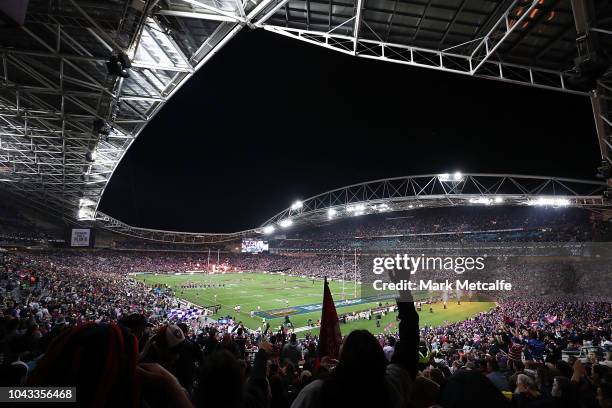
x=356, y=208
x=268, y=229
x=381, y=207
x=87, y=210
x=550, y=201
x=297, y=205
x=481, y=200
x=287, y=222
x=84, y=202
x=411, y=206
x=331, y=213
x=498, y=200
x=86, y=214
x=456, y=177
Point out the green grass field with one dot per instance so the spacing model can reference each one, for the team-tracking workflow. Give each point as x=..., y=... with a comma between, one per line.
x=277, y=295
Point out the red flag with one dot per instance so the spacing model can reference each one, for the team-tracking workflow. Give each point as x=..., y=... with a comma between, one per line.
x=329, y=333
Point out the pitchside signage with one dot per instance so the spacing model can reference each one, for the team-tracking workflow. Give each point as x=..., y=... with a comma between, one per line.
x=80, y=237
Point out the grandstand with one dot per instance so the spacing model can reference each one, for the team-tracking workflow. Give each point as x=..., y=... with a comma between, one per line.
x=286, y=313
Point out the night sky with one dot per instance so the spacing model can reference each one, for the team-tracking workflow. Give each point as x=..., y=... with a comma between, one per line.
x=270, y=120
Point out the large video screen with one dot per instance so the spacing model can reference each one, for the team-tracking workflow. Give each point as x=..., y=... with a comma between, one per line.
x=254, y=246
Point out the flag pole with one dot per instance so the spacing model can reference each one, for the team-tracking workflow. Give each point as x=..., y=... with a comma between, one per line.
x=355, y=291
x=330, y=337
x=343, y=275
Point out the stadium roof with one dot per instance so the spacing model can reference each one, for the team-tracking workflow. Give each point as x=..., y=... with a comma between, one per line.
x=80, y=79
x=400, y=194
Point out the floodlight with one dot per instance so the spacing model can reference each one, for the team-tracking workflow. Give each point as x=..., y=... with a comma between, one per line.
x=83, y=202
x=331, y=213
x=499, y=199
x=551, y=201
x=356, y=208
x=562, y=202
x=297, y=205
x=85, y=213
x=455, y=177
x=381, y=208
x=268, y=229
x=481, y=200
x=287, y=222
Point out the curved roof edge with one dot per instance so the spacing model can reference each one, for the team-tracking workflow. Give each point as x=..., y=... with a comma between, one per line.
x=399, y=194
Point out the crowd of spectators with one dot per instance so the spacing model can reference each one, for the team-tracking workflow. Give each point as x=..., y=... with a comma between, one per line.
x=125, y=262
x=458, y=225
x=77, y=318
x=383, y=231
x=17, y=228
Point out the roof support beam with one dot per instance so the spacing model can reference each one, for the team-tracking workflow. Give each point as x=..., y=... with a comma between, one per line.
x=260, y=21
x=263, y=5
x=104, y=38
x=357, y=24
x=452, y=23
x=215, y=10
x=196, y=15
x=432, y=59
x=498, y=34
